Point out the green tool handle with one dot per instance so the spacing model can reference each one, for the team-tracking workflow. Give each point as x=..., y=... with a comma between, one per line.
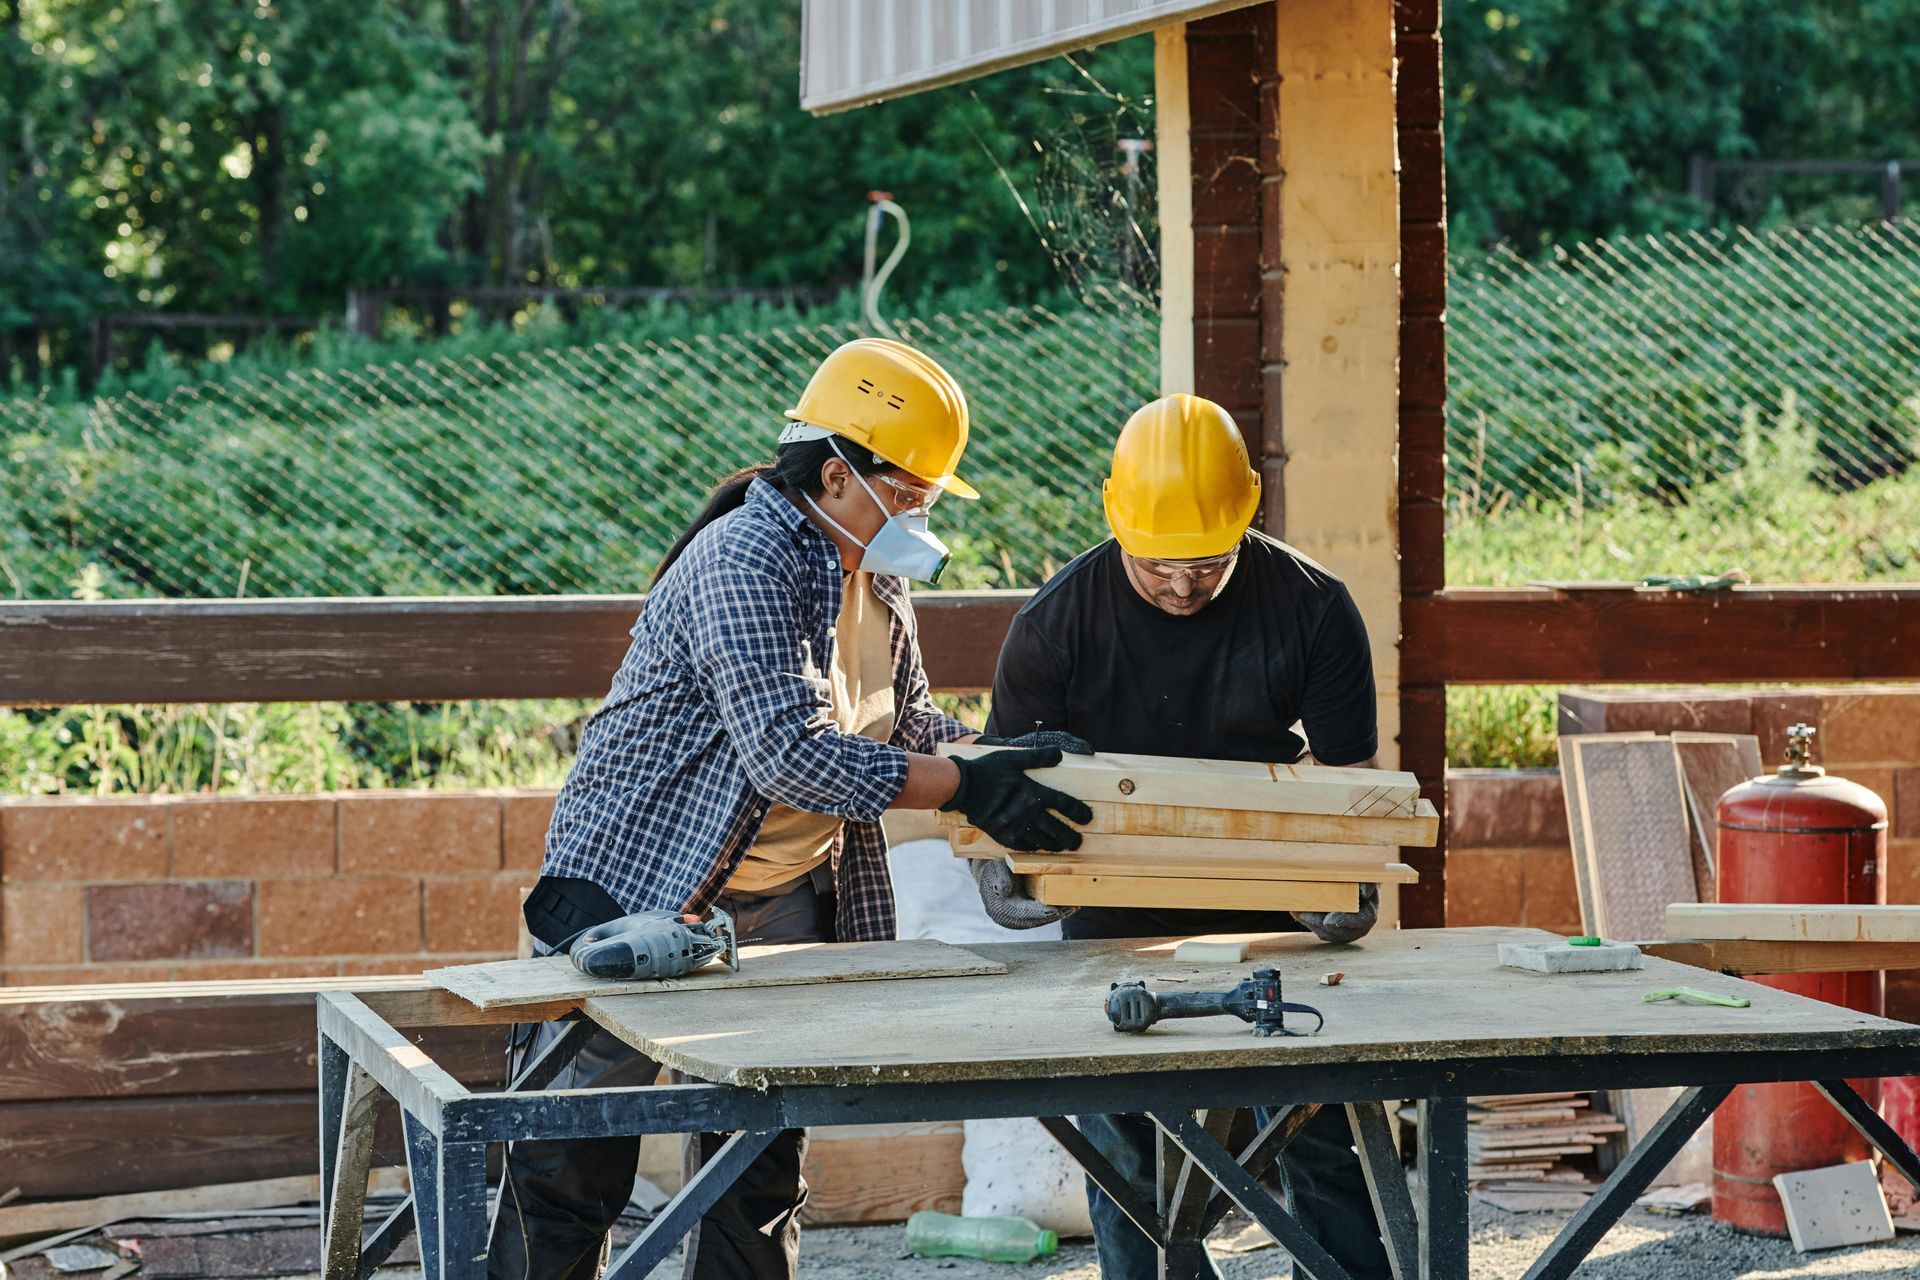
x=1696, y=996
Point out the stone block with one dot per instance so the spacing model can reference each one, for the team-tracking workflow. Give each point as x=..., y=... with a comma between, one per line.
x=524, y=819
x=475, y=913
x=42, y=924
x=1870, y=726
x=1483, y=887
x=1905, y=802
x=234, y=970
x=87, y=975
x=83, y=840
x=352, y=915
x=206, y=920
x=1903, y=871
x=1504, y=808
x=253, y=837
x=419, y=833
x=1630, y=711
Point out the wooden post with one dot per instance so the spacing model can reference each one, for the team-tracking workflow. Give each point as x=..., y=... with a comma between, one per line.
x=1174, y=172
x=1422, y=408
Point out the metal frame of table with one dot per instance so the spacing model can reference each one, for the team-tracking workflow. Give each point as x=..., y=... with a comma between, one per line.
x=448, y=1130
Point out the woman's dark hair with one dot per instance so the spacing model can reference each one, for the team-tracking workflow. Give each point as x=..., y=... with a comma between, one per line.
x=795, y=469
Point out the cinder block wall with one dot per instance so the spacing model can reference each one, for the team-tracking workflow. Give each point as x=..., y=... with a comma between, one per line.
x=185, y=888
x=1508, y=858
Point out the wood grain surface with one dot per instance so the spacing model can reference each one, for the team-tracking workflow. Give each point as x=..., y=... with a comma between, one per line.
x=1192, y=822
x=1408, y=995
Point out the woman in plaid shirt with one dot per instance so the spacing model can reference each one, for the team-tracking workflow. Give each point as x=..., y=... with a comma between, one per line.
x=772, y=705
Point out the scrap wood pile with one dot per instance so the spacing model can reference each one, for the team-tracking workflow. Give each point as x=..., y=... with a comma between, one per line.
x=1172, y=832
x=1526, y=1144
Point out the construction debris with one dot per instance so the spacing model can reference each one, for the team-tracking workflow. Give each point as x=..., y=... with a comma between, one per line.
x=1520, y=1148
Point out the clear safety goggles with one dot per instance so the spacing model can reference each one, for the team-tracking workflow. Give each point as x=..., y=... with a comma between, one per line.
x=1203, y=573
x=911, y=499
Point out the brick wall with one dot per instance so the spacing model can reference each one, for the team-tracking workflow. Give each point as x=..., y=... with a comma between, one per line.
x=1508, y=859
x=186, y=888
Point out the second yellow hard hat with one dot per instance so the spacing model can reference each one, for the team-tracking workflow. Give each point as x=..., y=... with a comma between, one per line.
x=1181, y=488
x=896, y=402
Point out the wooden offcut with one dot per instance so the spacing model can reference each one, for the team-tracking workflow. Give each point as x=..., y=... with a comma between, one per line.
x=1053, y=864
x=544, y=979
x=1421, y=830
x=1742, y=957
x=1793, y=922
x=1193, y=894
x=1223, y=784
x=1711, y=764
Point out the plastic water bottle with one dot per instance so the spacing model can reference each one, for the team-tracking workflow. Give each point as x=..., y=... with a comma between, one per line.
x=943, y=1235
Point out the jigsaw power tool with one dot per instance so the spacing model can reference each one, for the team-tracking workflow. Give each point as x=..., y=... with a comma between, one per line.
x=654, y=944
x=1131, y=1007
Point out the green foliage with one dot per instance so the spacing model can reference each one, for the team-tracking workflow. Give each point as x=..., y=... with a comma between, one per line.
x=1502, y=726
x=1571, y=119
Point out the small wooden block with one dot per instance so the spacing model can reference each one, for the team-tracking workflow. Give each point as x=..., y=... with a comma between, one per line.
x=1176, y=892
x=1212, y=950
x=1839, y=1205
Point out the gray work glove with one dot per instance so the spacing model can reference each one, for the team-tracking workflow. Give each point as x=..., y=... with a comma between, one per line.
x=1344, y=926
x=1006, y=905
x=1040, y=738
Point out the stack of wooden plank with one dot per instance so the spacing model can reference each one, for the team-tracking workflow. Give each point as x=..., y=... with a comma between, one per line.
x=1172, y=832
x=1524, y=1143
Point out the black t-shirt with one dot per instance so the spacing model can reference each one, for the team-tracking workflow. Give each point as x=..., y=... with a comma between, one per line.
x=1283, y=643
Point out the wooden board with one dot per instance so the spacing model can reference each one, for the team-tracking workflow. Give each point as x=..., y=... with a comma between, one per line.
x=1633, y=821
x=1793, y=922
x=1711, y=764
x=859, y=1174
x=1193, y=894
x=546, y=978
x=1422, y=830
x=1053, y=864
x=1224, y=784
x=1571, y=785
x=1742, y=957
x=1177, y=851
x=1413, y=995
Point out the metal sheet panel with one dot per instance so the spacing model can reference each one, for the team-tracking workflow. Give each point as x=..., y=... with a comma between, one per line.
x=855, y=52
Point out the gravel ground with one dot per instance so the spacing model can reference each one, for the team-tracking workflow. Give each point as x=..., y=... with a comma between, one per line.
x=1642, y=1247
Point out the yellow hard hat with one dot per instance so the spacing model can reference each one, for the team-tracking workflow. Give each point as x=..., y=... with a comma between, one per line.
x=895, y=402
x=1181, y=487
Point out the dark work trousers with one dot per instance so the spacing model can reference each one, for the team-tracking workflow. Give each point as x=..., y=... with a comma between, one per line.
x=559, y=1199
x=1326, y=1187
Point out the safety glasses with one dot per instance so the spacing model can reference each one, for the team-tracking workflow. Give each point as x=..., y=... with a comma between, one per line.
x=911, y=499
x=1204, y=572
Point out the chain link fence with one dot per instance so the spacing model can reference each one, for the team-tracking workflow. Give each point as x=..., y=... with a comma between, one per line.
x=548, y=471
x=1712, y=399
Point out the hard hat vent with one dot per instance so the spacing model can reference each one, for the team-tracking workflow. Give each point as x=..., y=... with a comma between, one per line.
x=866, y=387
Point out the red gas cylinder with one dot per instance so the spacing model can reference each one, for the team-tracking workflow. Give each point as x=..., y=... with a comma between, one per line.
x=1794, y=836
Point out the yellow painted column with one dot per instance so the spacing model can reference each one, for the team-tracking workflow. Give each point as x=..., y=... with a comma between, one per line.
x=1339, y=238
x=1174, y=168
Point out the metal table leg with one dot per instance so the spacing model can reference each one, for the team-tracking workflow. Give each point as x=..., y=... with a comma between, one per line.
x=1443, y=1189
x=348, y=1101
x=449, y=1202
x=1387, y=1187
x=1875, y=1130
x=663, y=1235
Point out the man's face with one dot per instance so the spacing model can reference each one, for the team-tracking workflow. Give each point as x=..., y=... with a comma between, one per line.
x=1180, y=587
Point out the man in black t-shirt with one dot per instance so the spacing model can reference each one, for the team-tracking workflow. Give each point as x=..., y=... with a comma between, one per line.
x=1192, y=634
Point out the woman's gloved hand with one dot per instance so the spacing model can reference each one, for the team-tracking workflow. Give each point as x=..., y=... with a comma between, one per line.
x=1006, y=905
x=1344, y=926
x=997, y=796
x=1040, y=738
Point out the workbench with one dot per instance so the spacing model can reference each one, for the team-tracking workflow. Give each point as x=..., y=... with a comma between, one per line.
x=1422, y=1015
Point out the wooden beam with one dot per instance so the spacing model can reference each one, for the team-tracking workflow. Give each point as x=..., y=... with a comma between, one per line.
x=1255, y=872
x=1188, y=822
x=1194, y=894
x=1173, y=171
x=1793, y=922
x=386, y=649
x=1499, y=635
x=1743, y=957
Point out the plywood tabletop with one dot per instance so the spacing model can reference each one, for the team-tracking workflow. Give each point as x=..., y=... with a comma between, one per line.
x=1408, y=995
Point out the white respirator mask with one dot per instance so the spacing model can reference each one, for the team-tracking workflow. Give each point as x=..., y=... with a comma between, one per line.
x=902, y=548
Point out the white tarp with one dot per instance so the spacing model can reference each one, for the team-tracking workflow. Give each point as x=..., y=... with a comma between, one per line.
x=859, y=51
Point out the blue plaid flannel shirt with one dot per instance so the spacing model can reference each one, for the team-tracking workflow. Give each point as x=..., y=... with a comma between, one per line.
x=721, y=707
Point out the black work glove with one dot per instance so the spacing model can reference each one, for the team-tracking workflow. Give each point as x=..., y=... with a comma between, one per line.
x=1006, y=905
x=997, y=796
x=1040, y=738
x=1344, y=926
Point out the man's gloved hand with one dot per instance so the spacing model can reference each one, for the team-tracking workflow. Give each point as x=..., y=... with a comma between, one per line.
x=1344, y=926
x=1040, y=738
x=1006, y=905
x=997, y=796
